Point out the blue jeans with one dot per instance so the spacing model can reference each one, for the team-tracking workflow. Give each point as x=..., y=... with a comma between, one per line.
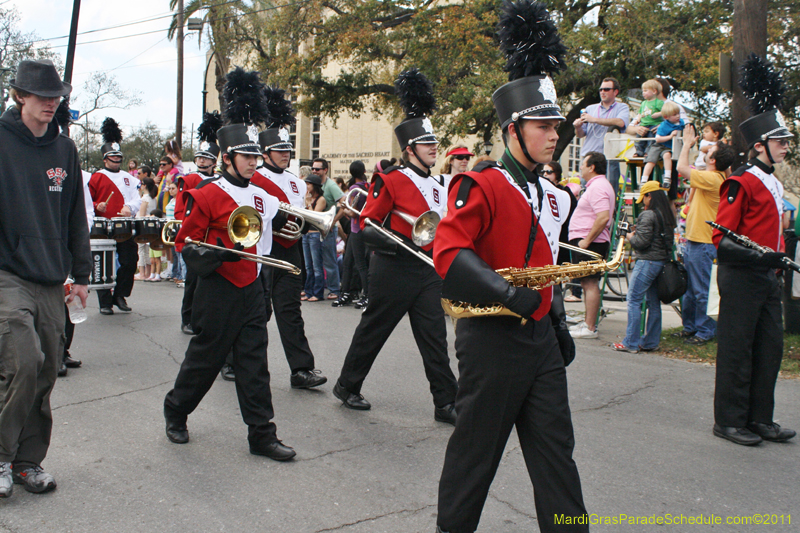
x=643, y=283
x=178, y=266
x=698, y=258
x=315, y=279
x=329, y=262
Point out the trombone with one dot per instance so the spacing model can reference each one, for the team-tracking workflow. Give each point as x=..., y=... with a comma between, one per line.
x=244, y=227
x=423, y=228
x=292, y=230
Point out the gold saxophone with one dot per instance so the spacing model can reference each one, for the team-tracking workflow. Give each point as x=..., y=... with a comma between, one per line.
x=535, y=278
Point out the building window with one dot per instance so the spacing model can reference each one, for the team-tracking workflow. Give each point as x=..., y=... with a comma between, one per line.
x=574, y=156
x=315, y=127
x=293, y=138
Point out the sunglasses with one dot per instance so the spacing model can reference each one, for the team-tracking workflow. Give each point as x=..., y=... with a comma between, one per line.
x=462, y=157
x=604, y=89
x=781, y=142
x=163, y=164
x=317, y=169
x=548, y=171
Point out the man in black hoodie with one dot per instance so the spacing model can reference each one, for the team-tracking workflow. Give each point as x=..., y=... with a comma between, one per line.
x=43, y=237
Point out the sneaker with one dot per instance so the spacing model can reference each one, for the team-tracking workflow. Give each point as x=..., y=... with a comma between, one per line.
x=666, y=183
x=362, y=303
x=582, y=331
x=156, y=278
x=180, y=284
x=6, y=481
x=227, y=373
x=34, y=479
x=344, y=299
x=695, y=341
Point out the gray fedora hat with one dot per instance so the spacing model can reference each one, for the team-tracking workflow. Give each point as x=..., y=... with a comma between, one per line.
x=41, y=78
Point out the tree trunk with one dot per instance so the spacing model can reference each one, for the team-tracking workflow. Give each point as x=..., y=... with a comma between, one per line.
x=749, y=36
x=179, y=112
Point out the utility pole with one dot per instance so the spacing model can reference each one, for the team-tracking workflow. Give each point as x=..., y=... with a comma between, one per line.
x=73, y=39
x=749, y=35
x=179, y=114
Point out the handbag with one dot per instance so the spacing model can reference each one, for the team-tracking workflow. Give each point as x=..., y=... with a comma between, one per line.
x=673, y=280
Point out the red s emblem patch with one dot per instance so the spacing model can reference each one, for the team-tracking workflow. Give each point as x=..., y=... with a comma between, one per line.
x=127, y=182
x=294, y=188
x=436, y=196
x=553, y=202
x=258, y=203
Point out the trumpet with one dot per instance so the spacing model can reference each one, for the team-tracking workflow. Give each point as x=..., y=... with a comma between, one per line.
x=292, y=230
x=244, y=227
x=423, y=228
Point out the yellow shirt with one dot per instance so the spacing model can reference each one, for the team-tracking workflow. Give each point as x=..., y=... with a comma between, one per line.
x=704, y=205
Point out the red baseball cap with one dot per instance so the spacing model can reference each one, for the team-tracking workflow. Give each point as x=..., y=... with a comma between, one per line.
x=459, y=151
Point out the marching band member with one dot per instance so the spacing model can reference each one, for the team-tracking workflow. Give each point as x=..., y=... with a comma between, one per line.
x=503, y=215
x=285, y=289
x=206, y=160
x=114, y=194
x=399, y=282
x=229, y=310
x=750, y=328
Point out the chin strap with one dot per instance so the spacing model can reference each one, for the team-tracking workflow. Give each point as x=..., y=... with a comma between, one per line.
x=420, y=161
x=236, y=170
x=517, y=127
x=769, y=154
x=207, y=170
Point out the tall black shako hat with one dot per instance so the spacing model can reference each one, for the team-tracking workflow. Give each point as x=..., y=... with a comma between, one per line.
x=415, y=92
x=245, y=108
x=207, y=135
x=112, y=136
x=763, y=87
x=276, y=136
x=533, y=49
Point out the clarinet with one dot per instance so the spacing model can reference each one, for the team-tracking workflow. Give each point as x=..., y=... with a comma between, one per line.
x=747, y=242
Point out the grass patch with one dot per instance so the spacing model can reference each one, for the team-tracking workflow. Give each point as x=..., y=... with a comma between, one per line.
x=676, y=349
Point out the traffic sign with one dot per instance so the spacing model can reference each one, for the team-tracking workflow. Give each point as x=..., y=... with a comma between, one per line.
x=74, y=114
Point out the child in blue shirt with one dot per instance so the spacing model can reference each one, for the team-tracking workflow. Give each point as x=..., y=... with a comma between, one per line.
x=662, y=148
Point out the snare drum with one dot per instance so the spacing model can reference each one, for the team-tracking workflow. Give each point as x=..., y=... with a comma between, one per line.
x=104, y=264
x=158, y=243
x=146, y=230
x=121, y=228
x=100, y=228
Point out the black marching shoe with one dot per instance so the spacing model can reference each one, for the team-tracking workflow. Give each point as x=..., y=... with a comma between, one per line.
x=72, y=363
x=446, y=414
x=772, y=432
x=227, y=373
x=742, y=436
x=187, y=329
x=276, y=451
x=350, y=400
x=344, y=299
x=120, y=302
x=62, y=370
x=177, y=432
x=106, y=311
x=307, y=379
x=362, y=303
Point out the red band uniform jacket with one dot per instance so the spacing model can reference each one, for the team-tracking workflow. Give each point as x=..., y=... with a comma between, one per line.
x=287, y=188
x=207, y=219
x=123, y=185
x=406, y=191
x=495, y=222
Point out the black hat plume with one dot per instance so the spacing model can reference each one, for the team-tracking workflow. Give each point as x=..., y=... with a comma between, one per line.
x=281, y=111
x=761, y=85
x=244, y=94
x=63, y=116
x=529, y=39
x=110, y=131
x=415, y=92
x=207, y=130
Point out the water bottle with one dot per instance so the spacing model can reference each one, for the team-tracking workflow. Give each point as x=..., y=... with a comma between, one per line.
x=77, y=313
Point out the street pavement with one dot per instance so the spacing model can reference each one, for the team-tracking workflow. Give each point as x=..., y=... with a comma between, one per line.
x=642, y=422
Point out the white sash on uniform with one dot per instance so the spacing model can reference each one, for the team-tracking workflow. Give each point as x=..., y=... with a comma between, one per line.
x=433, y=192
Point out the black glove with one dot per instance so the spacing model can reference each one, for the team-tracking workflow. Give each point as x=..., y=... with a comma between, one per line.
x=227, y=256
x=523, y=301
x=373, y=237
x=772, y=259
x=566, y=344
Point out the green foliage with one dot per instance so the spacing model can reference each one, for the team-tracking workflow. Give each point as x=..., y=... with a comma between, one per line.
x=343, y=55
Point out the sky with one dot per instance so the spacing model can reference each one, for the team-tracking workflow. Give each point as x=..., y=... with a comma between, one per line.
x=145, y=64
